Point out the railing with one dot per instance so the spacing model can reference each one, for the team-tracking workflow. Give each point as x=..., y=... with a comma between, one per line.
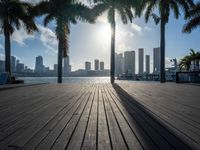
x=188, y=77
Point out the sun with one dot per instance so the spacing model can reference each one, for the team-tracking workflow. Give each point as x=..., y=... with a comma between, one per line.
x=104, y=33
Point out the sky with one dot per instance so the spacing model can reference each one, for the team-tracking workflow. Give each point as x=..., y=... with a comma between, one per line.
x=92, y=41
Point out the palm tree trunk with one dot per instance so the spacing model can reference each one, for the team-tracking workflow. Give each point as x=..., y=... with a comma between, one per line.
x=112, y=59
x=7, y=53
x=162, y=51
x=60, y=52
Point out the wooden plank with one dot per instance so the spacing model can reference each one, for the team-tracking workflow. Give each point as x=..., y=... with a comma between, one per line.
x=48, y=142
x=43, y=132
x=114, y=130
x=179, y=127
x=77, y=137
x=145, y=140
x=30, y=129
x=141, y=117
x=130, y=137
x=27, y=118
x=104, y=141
x=91, y=134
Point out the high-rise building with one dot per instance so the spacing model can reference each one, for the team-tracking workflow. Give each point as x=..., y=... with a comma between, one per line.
x=17, y=62
x=13, y=64
x=119, y=64
x=2, y=66
x=156, y=60
x=20, y=68
x=147, y=64
x=39, y=67
x=129, y=62
x=87, y=66
x=55, y=68
x=141, y=60
x=101, y=65
x=96, y=64
x=67, y=67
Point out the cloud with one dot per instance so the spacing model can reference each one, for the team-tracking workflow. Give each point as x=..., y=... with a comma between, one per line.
x=146, y=28
x=20, y=36
x=2, y=56
x=122, y=47
x=102, y=18
x=1, y=46
x=136, y=27
x=48, y=39
x=31, y=1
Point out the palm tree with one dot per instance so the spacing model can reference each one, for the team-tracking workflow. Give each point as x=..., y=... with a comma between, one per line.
x=185, y=63
x=193, y=19
x=14, y=14
x=195, y=58
x=164, y=7
x=124, y=9
x=188, y=59
x=65, y=13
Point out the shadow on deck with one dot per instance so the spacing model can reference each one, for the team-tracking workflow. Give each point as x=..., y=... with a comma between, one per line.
x=150, y=131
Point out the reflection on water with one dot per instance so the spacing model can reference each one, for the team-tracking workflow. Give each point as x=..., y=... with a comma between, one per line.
x=66, y=79
x=76, y=80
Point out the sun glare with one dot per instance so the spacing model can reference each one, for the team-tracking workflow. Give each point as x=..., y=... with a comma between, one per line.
x=104, y=33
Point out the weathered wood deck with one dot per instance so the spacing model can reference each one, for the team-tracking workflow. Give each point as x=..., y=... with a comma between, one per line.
x=100, y=116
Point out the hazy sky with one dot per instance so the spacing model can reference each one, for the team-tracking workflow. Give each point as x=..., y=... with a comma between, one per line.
x=92, y=41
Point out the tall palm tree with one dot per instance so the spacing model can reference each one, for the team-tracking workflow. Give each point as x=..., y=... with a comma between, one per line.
x=65, y=13
x=124, y=9
x=13, y=15
x=193, y=19
x=164, y=7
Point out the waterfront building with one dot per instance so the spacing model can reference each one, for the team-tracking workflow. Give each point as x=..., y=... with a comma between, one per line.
x=119, y=64
x=55, y=68
x=102, y=65
x=13, y=64
x=17, y=62
x=87, y=66
x=141, y=61
x=147, y=64
x=129, y=62
x=2, y=66
x=20, y=68
x=39, y=67
x=96, y=64
x=156, y=60
x=67, y=67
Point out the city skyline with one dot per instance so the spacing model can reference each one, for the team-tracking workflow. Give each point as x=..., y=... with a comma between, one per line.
x=97, y=44
x=128, y=62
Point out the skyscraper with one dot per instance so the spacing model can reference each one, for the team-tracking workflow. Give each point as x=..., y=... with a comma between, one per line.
x=67, y=67
x=101, y=65
x=20, y=68
x=129, y=62
x=2, y=66
x=55, y=68
x=87, y=66
x=13, y=64
x=96, y=64
x=147, y=64
x=119, y=64
x=141, y=60
x=156, y=60
x=39, y=67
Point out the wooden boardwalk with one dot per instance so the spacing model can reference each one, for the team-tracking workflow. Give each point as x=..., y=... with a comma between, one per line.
x=100, y=116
